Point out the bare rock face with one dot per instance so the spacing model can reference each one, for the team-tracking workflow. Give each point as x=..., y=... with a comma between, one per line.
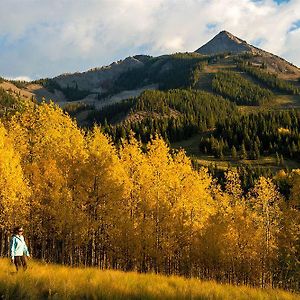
x=226, y=42
x=97, y=80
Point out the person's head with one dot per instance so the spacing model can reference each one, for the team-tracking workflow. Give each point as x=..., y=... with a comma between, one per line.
x=18, y=230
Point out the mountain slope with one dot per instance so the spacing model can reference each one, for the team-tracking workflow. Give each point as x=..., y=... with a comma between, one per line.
x=98, y=80
x=130, y=77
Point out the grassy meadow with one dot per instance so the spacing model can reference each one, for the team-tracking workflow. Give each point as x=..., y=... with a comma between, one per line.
x=45, y=281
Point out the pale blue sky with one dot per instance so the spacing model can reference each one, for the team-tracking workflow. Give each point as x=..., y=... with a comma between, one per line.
x=281, y=1
x=43, y=38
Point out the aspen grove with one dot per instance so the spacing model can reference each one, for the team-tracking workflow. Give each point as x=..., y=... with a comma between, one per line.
x=85, y=202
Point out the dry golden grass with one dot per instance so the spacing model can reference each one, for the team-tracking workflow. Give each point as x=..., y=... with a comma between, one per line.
x=8, y=86
x=43, y=281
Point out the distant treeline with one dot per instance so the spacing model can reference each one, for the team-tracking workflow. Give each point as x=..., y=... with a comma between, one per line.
x=248, y=174
x=72, y=93
x=239, y=89
x=270, y=80
x=6, y=99
x=9, y=103
x=174, y=114
x=256, y=134
x=180, y=70
x=110, y=114
x=74, y=108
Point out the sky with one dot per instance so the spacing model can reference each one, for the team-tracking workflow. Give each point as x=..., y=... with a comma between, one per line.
x=44, y=38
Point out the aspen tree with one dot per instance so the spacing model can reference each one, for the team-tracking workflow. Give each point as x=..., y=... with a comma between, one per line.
x=14, y=190
x=52, y=150
x=266, y=201
x=139, y=237
x=105, y=183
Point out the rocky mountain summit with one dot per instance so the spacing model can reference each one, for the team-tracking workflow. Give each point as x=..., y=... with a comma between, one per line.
x=225, y=42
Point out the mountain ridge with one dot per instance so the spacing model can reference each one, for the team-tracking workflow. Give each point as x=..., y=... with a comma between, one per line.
x=103, y=82
x=223, y=42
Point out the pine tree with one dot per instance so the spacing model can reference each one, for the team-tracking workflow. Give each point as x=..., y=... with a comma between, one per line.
x=243, y=154
x=277, y=159
x=233, y=152
x=256, y=151
x=281, y=160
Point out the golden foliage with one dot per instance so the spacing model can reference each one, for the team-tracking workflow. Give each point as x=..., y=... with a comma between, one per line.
x=140, y=207
x=13, y=186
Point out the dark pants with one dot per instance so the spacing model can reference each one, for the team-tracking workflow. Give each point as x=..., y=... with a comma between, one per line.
x=20, y=261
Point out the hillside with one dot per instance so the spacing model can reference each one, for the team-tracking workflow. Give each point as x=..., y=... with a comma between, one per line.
x=96, y=86
x=134, y=204
x=43, y=281
x=250, y=89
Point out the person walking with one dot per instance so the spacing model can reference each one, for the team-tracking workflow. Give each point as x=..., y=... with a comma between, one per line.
x=18, y=249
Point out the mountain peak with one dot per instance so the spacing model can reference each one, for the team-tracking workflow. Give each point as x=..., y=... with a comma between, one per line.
x=225, y=32
x=229, y=35
x=225, y=41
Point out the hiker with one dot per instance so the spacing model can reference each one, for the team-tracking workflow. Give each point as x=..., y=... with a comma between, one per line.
x=18, y=249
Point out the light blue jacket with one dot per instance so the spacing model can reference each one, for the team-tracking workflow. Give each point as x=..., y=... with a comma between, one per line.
x=18, y=246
